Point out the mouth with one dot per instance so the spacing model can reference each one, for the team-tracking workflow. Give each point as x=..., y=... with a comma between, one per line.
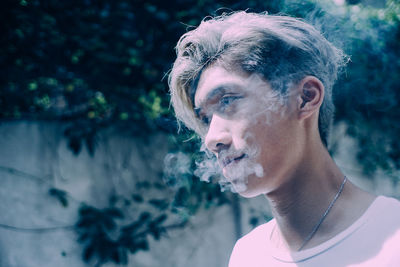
x=229, y=160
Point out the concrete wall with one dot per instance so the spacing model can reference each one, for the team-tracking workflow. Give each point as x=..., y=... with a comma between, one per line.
x=34, y=157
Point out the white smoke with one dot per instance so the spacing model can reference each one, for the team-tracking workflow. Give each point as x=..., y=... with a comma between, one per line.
x=207, y=167
x=176, y=169
x=261, y=107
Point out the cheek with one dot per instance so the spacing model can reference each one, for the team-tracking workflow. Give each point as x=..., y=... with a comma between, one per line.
x=263, y=131
x=279, y=146
x=241, y=135
x=270, y=140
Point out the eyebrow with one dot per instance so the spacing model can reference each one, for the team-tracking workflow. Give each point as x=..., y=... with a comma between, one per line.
x=219, y=90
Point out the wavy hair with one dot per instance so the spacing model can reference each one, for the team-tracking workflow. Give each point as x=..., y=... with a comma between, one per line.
x=282, y=49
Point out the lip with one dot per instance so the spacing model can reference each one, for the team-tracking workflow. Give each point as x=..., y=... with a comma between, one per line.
x=231, y=159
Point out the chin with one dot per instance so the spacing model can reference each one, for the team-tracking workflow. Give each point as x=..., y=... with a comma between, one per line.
x=245, y=176
x=248, y=194
x=247, y=189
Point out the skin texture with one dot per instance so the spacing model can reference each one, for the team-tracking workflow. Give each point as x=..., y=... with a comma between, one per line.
x=272, y=147
x=243, y=125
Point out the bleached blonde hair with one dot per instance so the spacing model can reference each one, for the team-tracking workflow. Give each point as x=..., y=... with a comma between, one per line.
x=282, y=49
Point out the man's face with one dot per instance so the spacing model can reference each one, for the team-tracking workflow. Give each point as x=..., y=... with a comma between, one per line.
x=251, y=130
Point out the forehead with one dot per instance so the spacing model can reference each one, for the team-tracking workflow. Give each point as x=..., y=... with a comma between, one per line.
x=216, y=77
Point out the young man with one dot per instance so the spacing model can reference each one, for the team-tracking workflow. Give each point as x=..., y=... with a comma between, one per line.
x=258, y=90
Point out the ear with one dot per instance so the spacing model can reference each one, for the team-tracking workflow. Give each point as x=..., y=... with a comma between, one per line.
x=310, y=96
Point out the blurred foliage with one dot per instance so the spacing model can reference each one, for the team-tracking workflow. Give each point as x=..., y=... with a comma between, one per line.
x=107, y=241
x=127, y=225
x=97, y=64
x=368, y=95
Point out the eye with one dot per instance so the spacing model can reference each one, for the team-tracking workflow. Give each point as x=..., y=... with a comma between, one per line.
x=205, y=120
x=222, y=105
x=227, y=100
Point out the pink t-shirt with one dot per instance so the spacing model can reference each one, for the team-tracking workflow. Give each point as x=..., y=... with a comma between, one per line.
x=373, y=240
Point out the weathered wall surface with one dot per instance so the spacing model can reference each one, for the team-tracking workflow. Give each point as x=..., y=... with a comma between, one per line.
x=34, y=158
x=345, y=157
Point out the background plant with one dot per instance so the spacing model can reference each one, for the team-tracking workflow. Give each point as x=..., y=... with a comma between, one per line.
x=93, y=65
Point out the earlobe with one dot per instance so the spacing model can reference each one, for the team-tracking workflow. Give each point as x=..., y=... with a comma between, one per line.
x=311, y=95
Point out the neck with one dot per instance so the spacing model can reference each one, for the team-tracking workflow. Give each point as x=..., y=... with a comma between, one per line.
x=300, y=203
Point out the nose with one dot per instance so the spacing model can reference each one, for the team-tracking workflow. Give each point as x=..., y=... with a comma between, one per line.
x=218, y=136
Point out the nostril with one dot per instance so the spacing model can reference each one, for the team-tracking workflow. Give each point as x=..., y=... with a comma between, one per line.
x=220, y=146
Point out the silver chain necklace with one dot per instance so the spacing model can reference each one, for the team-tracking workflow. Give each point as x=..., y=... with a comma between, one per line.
x=316, y=227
